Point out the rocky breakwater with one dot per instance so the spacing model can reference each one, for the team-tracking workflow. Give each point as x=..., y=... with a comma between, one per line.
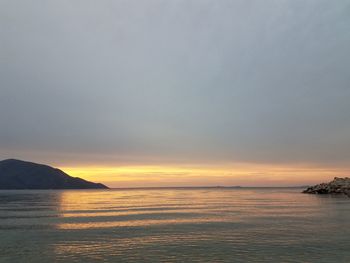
x=337, y=186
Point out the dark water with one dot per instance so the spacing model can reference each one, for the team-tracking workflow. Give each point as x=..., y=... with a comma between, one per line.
x=173, y=225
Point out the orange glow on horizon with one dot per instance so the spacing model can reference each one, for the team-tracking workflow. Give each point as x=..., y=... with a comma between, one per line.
x=237, y=174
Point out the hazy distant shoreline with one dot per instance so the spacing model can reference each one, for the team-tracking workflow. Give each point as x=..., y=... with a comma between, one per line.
x=214, y=187
x=167, y=188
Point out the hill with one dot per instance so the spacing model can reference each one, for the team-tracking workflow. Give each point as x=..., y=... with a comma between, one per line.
x=17, y=174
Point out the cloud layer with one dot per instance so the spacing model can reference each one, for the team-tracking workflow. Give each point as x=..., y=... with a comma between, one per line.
x=175, y=81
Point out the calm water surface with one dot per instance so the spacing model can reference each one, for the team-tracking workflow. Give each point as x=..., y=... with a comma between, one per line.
x=173, y=225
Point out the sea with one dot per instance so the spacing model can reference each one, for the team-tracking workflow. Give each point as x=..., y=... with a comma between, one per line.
x=173, y=225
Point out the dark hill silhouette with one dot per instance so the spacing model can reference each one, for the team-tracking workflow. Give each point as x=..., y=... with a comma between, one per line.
x=17, y=174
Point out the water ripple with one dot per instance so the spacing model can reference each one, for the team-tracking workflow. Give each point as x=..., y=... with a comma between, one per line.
x=173, y=225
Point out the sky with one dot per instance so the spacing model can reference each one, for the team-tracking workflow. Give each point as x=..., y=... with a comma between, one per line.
x=178, y=92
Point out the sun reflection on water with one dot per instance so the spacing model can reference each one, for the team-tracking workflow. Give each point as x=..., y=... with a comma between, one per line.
x=169, y=225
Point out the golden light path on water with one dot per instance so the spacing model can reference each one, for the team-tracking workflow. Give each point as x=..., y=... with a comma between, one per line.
x=132, y=211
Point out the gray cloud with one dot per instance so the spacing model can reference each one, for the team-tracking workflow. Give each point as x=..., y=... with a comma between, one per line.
x=195, y=81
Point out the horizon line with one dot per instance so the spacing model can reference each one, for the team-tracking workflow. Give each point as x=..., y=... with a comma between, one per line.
x=219, y=186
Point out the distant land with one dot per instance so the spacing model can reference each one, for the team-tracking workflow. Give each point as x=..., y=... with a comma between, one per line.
x=17, y=174
x=209, y=187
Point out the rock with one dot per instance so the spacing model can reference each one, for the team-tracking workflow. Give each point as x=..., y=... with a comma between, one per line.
x=337, y=186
